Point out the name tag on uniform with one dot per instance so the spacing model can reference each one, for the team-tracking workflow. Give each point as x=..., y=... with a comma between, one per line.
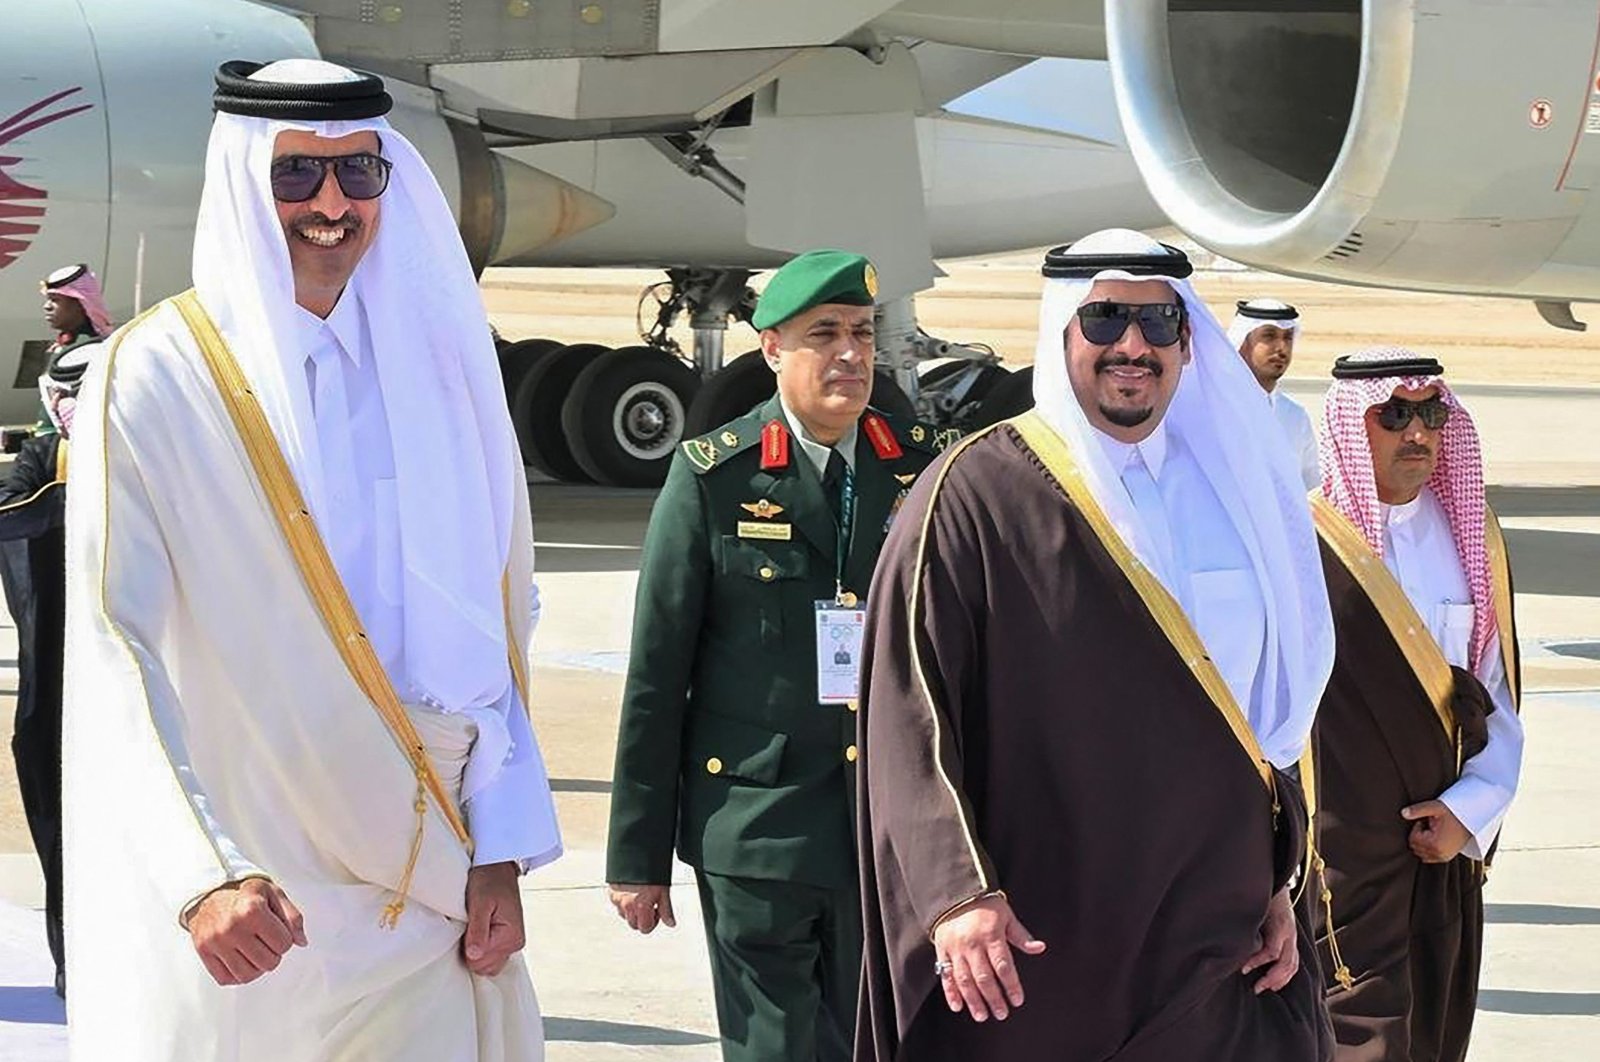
x=759, y=529
x=840, y=636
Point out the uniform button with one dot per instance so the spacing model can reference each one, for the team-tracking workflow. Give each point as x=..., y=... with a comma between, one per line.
x=851, y=754
x=766, y=573
x=713, y=766
x=853, y=705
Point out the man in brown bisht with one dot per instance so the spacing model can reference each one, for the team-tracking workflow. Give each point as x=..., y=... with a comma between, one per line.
x=1418, y=742
x=1096, y=634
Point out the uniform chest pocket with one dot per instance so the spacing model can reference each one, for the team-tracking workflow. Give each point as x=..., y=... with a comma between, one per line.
x=761, y=581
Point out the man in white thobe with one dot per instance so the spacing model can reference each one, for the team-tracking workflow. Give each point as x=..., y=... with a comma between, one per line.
x=1264, y=331
x=301, y=781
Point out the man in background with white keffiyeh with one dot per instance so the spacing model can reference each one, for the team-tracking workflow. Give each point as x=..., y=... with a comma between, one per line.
x=1418, y=744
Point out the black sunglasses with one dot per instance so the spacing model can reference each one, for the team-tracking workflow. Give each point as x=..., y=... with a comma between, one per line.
x=1103, y=323
x=297, y=178
x=1396, y=414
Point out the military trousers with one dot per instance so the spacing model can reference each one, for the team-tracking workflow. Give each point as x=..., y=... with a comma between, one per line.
x=785, y=965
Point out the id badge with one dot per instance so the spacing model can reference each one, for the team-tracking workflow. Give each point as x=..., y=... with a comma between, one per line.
x=840, y=636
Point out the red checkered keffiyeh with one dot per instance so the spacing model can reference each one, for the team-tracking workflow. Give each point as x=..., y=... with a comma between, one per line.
x=1457, y=482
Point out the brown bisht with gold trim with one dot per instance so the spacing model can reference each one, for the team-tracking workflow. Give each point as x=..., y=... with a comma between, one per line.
x=1401, y=940
x=1041, y=718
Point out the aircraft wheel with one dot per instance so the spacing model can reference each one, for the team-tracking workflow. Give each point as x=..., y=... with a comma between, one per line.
x=518, y=359
x=1009, y=397
x=624, y=415
x=536, y=411
x=729, y=393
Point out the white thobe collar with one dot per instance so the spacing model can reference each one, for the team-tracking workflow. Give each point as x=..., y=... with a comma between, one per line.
x=343, y=323
x=817, y=451
x=1152, y=449
x=1404, y=513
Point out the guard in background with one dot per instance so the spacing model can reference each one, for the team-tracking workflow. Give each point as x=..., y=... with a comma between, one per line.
x=738, y=724
x=33, y=503
x=75, y=309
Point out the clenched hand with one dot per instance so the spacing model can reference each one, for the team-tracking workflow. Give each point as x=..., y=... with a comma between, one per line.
x=244, y=929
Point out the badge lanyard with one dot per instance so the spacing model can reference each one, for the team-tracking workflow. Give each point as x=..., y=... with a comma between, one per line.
x=847, y=518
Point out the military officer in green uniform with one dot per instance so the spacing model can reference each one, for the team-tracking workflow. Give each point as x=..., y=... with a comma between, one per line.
x=738, y=728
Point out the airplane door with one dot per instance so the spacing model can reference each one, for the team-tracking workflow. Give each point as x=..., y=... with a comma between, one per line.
x=54, y=175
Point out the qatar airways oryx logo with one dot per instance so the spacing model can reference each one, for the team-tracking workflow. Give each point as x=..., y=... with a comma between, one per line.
x=22, y=206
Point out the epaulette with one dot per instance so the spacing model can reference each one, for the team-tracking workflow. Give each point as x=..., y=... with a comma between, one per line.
x=917, y=434
x=711, y=449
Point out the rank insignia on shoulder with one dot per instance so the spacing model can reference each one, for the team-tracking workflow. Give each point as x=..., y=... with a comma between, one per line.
x=905, y=479
x=730, y=439
x=945, y=438
x=764, y=508
x=701, y=453
x=918, y=433
x=884, y=444
x=774, y=446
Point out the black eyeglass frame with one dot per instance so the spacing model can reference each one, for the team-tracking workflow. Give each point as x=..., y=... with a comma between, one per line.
x=1434, y=411
x=335, y=164
x=1097, y=320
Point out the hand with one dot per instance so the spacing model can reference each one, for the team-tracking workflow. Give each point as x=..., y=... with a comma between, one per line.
x=1437, y=836
x=976, y=941
x=642, y=906
x=1280, y=947
x=243, y=930
x=494, y=918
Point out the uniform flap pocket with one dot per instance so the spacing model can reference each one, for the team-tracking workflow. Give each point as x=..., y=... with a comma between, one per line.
x=762, y=563
x=735, y=749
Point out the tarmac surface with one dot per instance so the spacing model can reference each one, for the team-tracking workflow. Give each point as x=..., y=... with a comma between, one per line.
x=608, y=994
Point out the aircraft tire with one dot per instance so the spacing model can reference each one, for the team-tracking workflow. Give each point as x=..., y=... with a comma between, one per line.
x=1009, y=397
x=624, y=415
x=536, y=411
x=518, y=359
x=729, y=393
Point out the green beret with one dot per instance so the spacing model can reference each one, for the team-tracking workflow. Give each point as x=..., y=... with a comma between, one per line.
x=812, y=279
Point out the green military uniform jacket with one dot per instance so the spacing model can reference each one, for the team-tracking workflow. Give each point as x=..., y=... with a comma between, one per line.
x=723, y=744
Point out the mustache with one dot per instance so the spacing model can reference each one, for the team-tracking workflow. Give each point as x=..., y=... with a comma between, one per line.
x=317, y=219
x=1143, y=361
x=1414, y=450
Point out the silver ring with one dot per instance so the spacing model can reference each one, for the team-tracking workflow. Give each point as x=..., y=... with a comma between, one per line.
x=941, y=968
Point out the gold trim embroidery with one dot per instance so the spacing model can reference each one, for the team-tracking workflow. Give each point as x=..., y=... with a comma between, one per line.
x=105, y=609
x=1399, y=615
x=322, y=579
x=1500, y=580
x=963, y=812
x=1050, y=448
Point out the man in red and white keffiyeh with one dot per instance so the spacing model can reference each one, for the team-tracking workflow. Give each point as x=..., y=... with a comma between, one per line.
x=1402, y=482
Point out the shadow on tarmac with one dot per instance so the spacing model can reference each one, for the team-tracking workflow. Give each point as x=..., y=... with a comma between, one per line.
x=1510, y=1001
x=589, y=1031
x=1561, y=563
x=31, y=1005
x=1540, y=914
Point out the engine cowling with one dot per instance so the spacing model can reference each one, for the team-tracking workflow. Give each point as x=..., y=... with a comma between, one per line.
x=1450, y=145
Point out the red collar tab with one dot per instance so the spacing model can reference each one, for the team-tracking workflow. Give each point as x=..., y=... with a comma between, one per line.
x=884, y=444
x=774, y=446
